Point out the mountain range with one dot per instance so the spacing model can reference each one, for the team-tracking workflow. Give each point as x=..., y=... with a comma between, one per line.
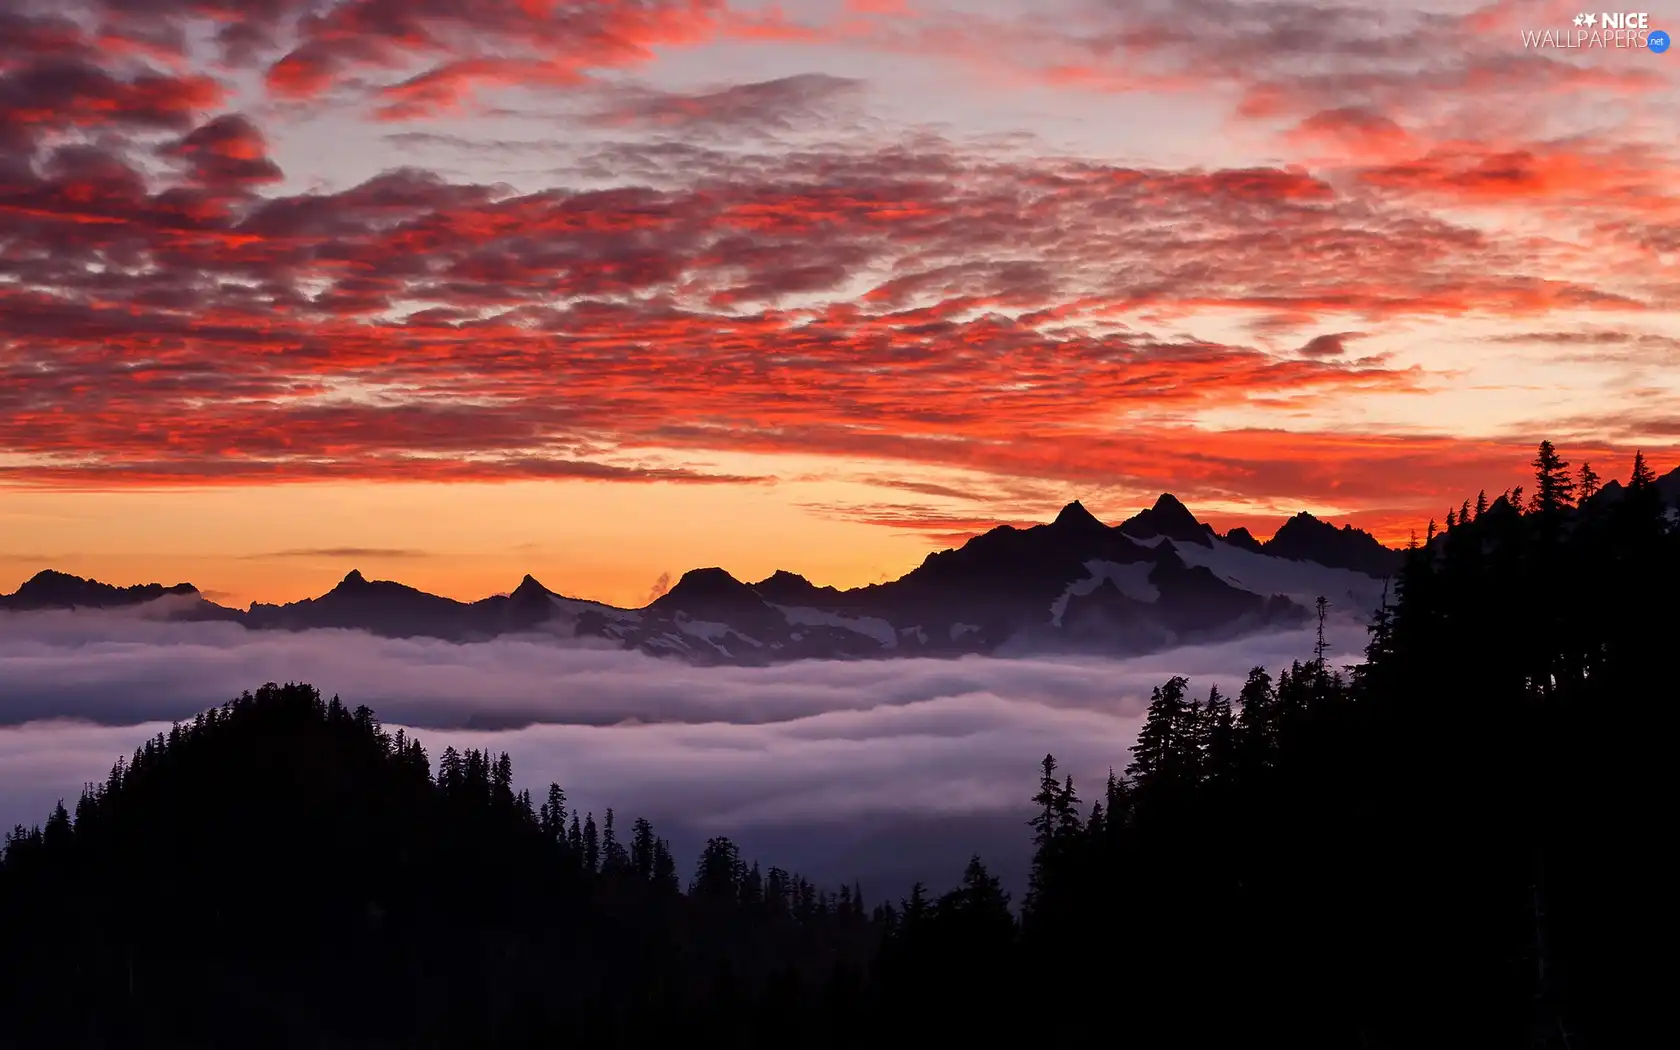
x=1157, y=579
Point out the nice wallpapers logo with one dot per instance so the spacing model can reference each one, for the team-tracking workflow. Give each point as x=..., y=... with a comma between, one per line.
x=1603, y=29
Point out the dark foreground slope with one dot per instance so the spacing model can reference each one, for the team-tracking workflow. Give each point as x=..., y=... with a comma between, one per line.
x=282, y=871
x=1455, y=843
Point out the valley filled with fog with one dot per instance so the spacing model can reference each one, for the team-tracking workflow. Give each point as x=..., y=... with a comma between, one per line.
x=886, y=771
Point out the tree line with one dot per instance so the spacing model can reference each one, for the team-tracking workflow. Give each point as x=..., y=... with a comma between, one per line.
x=1451, y=842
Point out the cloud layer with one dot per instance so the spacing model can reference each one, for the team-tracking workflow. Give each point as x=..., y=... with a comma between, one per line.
x=816, y=760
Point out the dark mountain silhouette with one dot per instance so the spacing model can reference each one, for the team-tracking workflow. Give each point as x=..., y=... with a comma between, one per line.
x=1159, y=578
x=1306, y=538
x=1169, y=518
x=711, y=608
x=1075, y=519
x=50, y=589
x=381, y=606
x=709, y=593
x=1074, y=583
x=1667, y=487
x=527, y=607
x=1242, y=539
x=787, y=588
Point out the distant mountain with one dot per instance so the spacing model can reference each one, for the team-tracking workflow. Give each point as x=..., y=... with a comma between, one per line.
x=1074, y=584
x=1668, y=486
x=49, y=589
x=379, y=606
x=1306, y=538
x=1242, y=539
x=1169, y=518
x=399, y=611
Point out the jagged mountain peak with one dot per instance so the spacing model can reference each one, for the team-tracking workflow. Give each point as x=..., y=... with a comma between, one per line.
x=1242, y=539
x=528, y=585
x=1076, y=516
x=1306, y=523
x=356, y=591
x=1168, y=517
x=47, y=577
x=706, y=588
x=1305, y=537
x=51, y=588
x=789, y=588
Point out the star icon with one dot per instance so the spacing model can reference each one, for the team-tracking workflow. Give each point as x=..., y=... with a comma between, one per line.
x=1580, y=20
x=1591, y=20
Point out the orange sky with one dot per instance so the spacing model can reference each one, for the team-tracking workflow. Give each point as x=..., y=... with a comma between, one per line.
x=453, y=291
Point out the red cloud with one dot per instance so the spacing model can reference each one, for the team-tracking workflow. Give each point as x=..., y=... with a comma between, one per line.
x=1625, y=178
x=1353, y=131
x=52, y=93
x=460, y=45
x=923, y=304
x=765, y=105
x=228, y=152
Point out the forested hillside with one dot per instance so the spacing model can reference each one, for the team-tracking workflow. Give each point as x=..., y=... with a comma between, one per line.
x=1452, y=843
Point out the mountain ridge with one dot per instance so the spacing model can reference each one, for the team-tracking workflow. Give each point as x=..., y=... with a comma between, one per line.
x=1073, y=584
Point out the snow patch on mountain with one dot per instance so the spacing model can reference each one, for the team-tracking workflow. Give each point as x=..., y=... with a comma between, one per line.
x=868, y=626
x=1348, y=592
x=1131, y=579
x=712, y=632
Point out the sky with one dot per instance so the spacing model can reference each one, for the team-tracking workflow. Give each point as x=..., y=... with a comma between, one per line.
x=884, y=771
x=602, y=290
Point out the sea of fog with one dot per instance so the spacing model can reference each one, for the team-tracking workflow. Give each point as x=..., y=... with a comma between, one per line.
x=884, y=771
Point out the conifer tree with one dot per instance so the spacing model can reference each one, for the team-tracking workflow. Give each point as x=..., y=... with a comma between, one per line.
x=1588, y=482
x=591, y=844
x=1044, y=824
x=1642, y=476
x=1161, y=757
x=664, y=867
x=1257, y=718
x=556, y=807
x=613, y=855
x=1220, y=757
x=642, y=843
x=1553, y=487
